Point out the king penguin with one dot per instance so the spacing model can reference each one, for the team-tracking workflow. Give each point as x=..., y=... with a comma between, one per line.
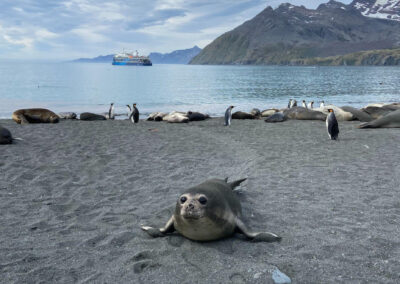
x=293, y=103
x=311, y=105
x=332, y=125
x=322, y=105
x=289, y=103
x=134, y=116
x=228, y=115
x=304, y=104
x=111, y=112
x=129, y=112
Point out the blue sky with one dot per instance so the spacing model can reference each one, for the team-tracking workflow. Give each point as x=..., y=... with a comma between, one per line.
x=69, y=29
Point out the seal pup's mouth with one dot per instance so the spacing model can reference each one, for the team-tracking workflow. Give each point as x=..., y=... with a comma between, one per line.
x=192, y=215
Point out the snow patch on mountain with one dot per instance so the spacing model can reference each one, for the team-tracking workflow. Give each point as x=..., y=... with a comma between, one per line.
x=381, y=9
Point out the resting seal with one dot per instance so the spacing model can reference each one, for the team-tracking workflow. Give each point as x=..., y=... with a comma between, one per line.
x=391, y=120
x=255, y=112
x=301, y=113
x=377, y=112
x=340, y=114
x=34, y=115
x=67, y=115
x=5, y=136
x=207, y=212
x=88, y=116
x=242, y=115
x=176, y=117
x=196, y=116
x=269, y=112
x=358, y=114
x=156, y=116
x=276, y=117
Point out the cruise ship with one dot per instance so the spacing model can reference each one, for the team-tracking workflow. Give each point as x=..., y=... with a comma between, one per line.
x=126, y=58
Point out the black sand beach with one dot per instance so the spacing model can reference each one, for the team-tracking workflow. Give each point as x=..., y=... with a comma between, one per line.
x=73, y=196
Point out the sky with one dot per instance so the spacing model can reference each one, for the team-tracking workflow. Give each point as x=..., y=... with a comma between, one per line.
x=70, y=29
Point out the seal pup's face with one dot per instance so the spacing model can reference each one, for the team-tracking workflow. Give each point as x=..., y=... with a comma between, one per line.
x=192, y=206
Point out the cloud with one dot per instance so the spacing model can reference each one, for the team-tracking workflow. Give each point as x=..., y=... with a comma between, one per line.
x=87, y=28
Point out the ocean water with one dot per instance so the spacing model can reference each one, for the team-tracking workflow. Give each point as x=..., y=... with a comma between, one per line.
x=81, y=87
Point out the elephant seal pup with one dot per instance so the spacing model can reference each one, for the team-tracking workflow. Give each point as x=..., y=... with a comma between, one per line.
x=88, y=116
x=67, y=115
x=391, y=120
x=276, y=117
x=34, y=115
x=301, y=113
x=358, y=114
x=207, y=212
x=196, y=116
x=242, y=115
x=5, y=136
x=269, y=112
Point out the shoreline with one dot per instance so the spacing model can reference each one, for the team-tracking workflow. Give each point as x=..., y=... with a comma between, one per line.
x=74, y=195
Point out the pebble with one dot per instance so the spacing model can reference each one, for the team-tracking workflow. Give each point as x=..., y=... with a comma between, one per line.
x=280, y=277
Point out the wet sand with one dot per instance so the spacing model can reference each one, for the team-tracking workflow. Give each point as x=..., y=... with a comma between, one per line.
x=73, y=196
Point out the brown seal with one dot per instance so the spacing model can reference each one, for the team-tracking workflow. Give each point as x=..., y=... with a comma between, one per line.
x=34, y=115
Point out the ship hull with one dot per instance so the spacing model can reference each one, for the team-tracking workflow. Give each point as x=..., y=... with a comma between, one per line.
x=132, y=64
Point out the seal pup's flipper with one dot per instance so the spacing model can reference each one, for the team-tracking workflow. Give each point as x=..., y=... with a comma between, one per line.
x=236, y=183
x=157, y=233
x=256, y=236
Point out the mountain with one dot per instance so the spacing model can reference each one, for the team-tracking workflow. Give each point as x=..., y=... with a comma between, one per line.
x=382, y=9
x=175, y=57
x=289, y=34
x=98, y=59
x=382, y=57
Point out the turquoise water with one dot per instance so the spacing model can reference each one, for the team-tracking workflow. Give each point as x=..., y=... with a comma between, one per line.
x=83, y=87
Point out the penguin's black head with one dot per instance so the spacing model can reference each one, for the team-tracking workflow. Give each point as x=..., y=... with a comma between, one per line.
x=134, y=104
x=112, y=103
x=232, y=106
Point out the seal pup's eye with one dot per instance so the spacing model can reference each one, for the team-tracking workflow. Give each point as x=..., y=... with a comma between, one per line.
x=183, y=199
x=203, y=200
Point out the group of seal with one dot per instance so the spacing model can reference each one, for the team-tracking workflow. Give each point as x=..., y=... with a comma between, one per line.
x=209, y=211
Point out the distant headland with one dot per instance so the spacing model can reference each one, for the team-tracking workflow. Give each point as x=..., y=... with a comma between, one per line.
x=176, y=57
